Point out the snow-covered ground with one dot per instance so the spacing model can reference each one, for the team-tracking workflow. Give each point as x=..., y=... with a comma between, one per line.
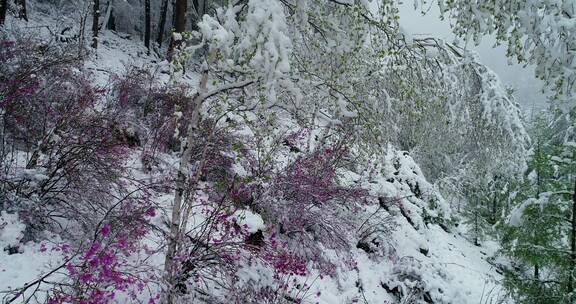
x=420, y=256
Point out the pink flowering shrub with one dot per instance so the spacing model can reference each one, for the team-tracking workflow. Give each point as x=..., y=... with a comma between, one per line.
x=211, y=251
x=68, y=139
x=150, y=107
x=296, y=140
x=66, y=172
x=75, y=180
x=62, y=150
x=282, y=260
x=157, y=110
x=35, y=82
x=283, y=287
x=308, y=206
x=109, y=266
x=218, y=248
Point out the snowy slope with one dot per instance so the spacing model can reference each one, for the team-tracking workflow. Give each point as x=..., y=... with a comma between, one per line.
x=417, y=254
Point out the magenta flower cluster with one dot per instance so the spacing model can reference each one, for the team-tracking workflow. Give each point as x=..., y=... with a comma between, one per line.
x=103, y=270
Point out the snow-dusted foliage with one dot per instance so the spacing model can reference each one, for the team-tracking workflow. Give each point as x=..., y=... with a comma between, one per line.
x=539, y=234
x=279, y=156
x=64, y=167
x=389, y=88
x=64, y=156
x=538, y=32
x=259, y=42
x=471, y=114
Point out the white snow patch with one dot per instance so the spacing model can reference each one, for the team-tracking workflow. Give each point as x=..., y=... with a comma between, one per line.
x=253, y=221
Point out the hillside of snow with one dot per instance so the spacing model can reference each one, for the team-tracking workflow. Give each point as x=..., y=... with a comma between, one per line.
x=381, y=233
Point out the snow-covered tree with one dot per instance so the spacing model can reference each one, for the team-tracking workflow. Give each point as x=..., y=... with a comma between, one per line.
x=540, y=234
x=300, y=108
x=541, y=32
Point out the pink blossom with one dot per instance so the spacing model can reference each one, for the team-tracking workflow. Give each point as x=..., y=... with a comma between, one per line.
x=105, y=230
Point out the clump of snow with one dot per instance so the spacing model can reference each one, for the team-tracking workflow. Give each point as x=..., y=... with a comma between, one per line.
x=343, y=104
x=252, y=221
x=11, y=229
x=23, y=263
x=515, y=219
x=177, y=36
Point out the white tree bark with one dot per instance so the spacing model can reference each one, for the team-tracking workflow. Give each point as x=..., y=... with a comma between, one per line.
x=180, y=210
x=186, y=152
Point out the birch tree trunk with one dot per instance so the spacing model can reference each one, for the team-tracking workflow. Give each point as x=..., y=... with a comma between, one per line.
x=538, y=190
x=186, y=153
x=181, y=210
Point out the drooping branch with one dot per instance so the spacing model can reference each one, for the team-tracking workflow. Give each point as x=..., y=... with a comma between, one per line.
x=226, y=87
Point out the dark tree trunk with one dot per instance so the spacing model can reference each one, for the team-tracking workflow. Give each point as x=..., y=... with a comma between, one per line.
x=147, y=25
x=179, y=25
x=95, y=23
x=108, y=16
x=573, y=243
x=111, y=24
x=162, y=23
x=21, y=4
x=199, y=7
x=494, y=207
x=538, y=189
x=3, y=9
x=476, y=228
x=180, y=16
x=173, y=14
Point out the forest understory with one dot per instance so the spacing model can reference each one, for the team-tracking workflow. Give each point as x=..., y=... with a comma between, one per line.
x=281, y=151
